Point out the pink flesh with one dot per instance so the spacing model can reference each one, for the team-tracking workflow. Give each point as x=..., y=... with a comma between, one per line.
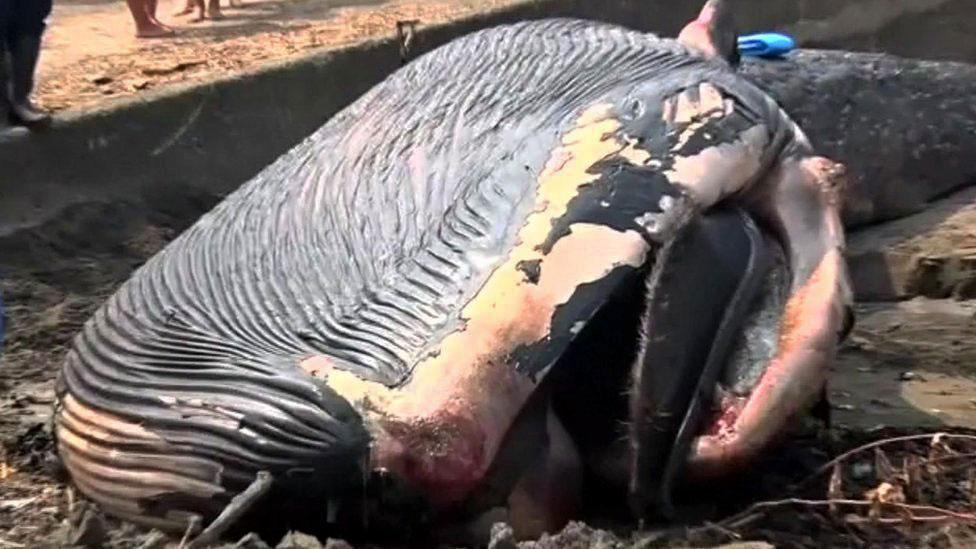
x=443, y=477
x=706, y=15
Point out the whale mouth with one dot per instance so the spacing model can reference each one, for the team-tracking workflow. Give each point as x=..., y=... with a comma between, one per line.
x=800, y=325
x=708, y=291
x=744, y=319
x=778, y=369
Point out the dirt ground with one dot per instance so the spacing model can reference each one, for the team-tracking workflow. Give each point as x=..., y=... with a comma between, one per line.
x=91, y=54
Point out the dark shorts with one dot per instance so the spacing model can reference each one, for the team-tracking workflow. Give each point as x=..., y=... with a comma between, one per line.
x=23, y=17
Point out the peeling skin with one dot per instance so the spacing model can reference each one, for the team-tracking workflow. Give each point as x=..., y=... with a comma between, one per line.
x=189, y=407
x=319, y=366
x=603, y=112
x=721, y=170
x=658, y=224
x=442, y=429
x=469, y=385
x=693, y=108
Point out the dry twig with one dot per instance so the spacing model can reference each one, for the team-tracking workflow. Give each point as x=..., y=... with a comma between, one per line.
x=907, y=438
x=933, y=513
x=235, y=509
x=191, y=527
x=835, y=486
x=729, y=533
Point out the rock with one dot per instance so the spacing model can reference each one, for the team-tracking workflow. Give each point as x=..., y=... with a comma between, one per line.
x=154, y=540
x=298, y=540
x=502, y=537
x=578, y=534
x=861, y=470
x=88, y=527
x=15, y=504
x=251, y=541
x=905, y=128
x=930, y=254
x=337, y=544
x=100, y=79
x=965, y=289
x=162, y=70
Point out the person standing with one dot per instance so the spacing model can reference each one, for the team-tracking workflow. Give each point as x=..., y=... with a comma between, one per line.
x=144, y=15
x=22, y=24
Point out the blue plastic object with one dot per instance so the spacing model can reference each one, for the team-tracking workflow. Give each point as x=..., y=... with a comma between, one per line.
x=766, y=44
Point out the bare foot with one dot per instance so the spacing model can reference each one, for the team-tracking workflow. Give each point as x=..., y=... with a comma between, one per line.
x=156, y=22
x=236, y=3
x=163, y=26
x=155, y=31
x=185, y=11
x=214, y=13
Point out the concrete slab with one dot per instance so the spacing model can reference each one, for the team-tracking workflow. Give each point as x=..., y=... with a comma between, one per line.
x=932, y=253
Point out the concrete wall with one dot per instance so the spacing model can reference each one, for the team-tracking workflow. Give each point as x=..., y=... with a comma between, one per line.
x=931, y=29
x=210, y=137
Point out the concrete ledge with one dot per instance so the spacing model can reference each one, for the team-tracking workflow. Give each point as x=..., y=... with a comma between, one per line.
x=930, y=254
x=213, y=136
x=210, y=137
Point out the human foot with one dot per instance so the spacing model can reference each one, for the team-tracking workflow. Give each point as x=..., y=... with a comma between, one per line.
x=27, y=115
x=155, y=31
